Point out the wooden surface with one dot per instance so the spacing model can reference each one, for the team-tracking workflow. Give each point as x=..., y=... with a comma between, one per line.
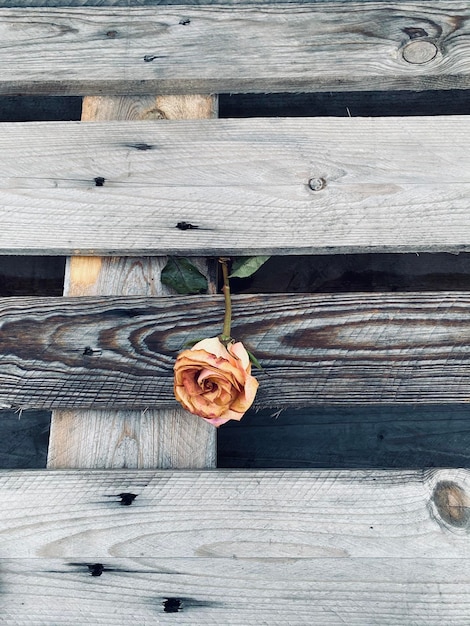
x=237, y=592
x=140, y=439
x=142, y=108
x=191, y=49
x=116, y=439
x=123, y=187
x=332, y=348
x=279, y=514
x=401, y=593
x=324, y=547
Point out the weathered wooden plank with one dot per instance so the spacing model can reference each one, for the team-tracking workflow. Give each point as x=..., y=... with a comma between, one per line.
x=242, y=592
x=335, y=348
x=84, y=514
x=250, y=186
x=103, y=439
x=257, y=48
x=139, y=3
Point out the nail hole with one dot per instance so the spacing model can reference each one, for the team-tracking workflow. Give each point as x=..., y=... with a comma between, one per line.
x=96, y=569
x=172, y=605
x=184, y=21
x=142, y=146
x=91, y=352
x=150, y=57
x=99, y=181
x=186, y=226
x=111, y=34
x=127, y=498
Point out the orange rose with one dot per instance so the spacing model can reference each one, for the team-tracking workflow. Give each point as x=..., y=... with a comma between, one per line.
x=214, y=381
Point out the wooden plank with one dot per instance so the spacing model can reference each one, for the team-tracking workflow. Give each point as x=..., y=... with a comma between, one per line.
x=139, y=3
x=250, y=186
x=243, y=514
x=316, y=349
x=204, y=49
x=141, y=439
x=248, y=592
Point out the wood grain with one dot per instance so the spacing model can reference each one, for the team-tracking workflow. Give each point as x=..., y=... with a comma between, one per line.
x=237, y=592
x=227, y=49
x=104, y=439
x=250, y=186
x=138, y=439
x=316, y=349
x=189, y=107
x=242, y=514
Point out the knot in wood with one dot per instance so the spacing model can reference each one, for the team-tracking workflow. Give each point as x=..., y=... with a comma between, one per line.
x=420, y=52
x=317, y=184
x=452, y=503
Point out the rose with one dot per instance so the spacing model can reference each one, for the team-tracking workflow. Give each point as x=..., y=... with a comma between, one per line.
x=214, y=381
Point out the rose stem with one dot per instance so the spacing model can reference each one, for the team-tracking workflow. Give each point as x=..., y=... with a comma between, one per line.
x=228, y=303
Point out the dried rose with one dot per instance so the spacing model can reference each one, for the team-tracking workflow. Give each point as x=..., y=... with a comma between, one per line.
x=214, y=381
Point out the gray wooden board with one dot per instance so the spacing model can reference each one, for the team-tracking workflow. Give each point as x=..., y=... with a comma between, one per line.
x=141, y=3
x=257, y=48
x=316, y=349
x=395, y=184
x=279, y=514
x=243, y=592
x=383, y=436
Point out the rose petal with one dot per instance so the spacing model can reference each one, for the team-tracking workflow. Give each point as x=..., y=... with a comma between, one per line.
x=213, y=345
x=201, y=359
x=246, y=398
x=238, y=349
x=215, y=382
x=217, y=421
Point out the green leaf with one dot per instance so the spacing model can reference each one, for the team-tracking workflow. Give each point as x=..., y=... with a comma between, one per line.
x=246, y=266
x=182, y=276
x=254, y=360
